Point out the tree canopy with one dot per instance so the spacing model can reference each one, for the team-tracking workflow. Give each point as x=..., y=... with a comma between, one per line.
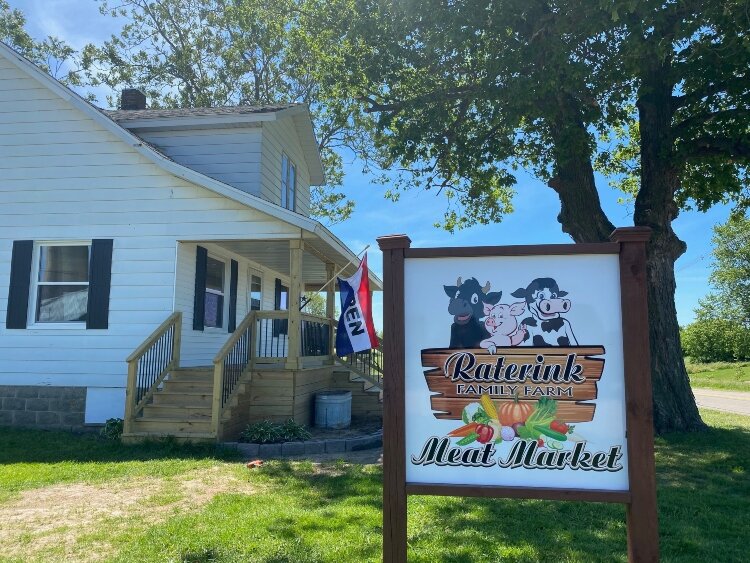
x=653, y=93
x=730, y=276
x=51, y=54
x=197, y=53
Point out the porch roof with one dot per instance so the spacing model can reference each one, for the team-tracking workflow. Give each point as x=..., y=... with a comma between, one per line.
x=318, y=250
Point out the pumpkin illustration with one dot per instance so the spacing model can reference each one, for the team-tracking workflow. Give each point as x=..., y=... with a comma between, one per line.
x=510, y=413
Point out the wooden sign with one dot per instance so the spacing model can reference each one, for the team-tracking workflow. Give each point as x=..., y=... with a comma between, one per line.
x=525, y=370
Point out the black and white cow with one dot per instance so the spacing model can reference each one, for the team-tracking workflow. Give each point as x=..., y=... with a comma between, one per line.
x=545, y=326
x=467, y=307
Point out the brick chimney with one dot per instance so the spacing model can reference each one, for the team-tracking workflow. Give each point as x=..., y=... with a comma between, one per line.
x=132, y=98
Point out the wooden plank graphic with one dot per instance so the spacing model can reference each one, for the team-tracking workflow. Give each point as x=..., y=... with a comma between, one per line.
x=567, y=374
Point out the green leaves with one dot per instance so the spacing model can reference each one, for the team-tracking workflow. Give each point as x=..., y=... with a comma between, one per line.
x=196, y=53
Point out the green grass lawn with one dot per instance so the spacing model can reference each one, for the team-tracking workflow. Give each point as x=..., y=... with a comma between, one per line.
x=720, y=375
x=167, y=503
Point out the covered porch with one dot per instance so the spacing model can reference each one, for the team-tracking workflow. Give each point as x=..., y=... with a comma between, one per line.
x=242, y=344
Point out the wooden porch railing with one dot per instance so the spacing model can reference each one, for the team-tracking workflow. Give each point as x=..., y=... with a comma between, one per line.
x=231, y=363
x=149, y=364
x=315, y=336
x=368, y=365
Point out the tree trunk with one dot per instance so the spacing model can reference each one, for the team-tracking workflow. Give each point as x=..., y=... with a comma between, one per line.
x=655, y=207
x=581, y=214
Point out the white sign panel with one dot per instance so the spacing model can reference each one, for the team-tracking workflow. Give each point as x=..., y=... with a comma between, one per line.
x=514, y=372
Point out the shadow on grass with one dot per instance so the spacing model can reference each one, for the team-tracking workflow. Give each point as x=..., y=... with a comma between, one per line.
x=40, y=446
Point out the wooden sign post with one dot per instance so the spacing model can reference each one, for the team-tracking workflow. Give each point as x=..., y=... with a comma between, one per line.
x=522, y=376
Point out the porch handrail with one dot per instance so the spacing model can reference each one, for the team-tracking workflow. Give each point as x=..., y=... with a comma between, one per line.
x=231, y=363
x=149, y=364
x=367, y=364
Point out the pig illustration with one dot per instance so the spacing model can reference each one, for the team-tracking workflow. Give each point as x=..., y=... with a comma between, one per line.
x=500, y=321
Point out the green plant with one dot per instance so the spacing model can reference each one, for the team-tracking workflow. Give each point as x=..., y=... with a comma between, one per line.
x=267, y=432
x=716, y=340
x=112, y=429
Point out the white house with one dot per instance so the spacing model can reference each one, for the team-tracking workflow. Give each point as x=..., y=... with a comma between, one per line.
x=157, y=254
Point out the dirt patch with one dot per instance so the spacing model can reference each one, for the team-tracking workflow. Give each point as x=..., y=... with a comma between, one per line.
x=64, y=519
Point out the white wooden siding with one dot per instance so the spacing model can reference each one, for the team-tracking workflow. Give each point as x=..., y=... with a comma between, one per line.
x=280, y=137
x=64, y=177
x=199, y=347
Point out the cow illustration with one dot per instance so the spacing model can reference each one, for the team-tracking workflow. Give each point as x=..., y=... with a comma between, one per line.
x=466, y=306
x=546, y=326
x=500, y=321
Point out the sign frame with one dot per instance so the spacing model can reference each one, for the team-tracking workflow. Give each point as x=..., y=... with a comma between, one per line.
x=629, y=243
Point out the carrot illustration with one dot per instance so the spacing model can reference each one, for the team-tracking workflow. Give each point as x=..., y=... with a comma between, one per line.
x=464, y=430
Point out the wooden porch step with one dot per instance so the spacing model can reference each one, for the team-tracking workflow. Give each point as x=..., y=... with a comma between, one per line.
x=190, y=412
x=192, y=374
x=171, y=426
x=183, y=398
x=180, y=386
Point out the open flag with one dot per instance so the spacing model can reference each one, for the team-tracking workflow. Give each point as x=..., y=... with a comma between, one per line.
x=356, y=331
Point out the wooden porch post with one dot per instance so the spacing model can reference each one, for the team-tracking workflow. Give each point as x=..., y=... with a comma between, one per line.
x=296, y=247
x=331, y=306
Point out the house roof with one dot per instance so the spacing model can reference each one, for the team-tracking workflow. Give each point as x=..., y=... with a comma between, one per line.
x=176, y=169
x=156, y=113
x=228, y=116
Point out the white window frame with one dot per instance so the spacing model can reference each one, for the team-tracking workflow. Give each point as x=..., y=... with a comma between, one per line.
x=250, y=273
x=32, y=323
x=288, y=194
x=223, y=293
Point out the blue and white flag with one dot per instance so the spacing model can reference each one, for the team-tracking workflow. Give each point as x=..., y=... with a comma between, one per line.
x=356, y=331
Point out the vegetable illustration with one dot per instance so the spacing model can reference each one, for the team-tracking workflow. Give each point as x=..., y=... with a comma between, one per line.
x=484, y=421
x=464, y=430
x=489, y=407
x=558, y=426
x=484, y=433
x=468, y=439
x=510, y=413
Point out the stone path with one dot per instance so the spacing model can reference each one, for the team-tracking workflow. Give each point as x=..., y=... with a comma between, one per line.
x=727, y=401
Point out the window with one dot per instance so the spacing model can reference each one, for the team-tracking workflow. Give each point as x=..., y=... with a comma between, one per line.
x=62, y=283
x=255, y=297
x=214, y=308
x=288, y=183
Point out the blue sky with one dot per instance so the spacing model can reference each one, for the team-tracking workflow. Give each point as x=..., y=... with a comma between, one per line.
x=536, y=206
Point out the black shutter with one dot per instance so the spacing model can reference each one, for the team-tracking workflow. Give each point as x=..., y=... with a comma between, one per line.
x=277, y=295
x=233, y=275
x=199, y=305
x=20, y=281
x=100, y=281
x=277, y=306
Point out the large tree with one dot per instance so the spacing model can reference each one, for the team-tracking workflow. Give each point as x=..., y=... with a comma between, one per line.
x=207, y=53
x=466, y=90
x=730, y=275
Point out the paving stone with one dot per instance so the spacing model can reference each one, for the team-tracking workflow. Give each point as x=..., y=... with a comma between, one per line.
x=292, y=448
x=269, y=450
x=335, y=446
x=248, y=450
x=315, y=447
